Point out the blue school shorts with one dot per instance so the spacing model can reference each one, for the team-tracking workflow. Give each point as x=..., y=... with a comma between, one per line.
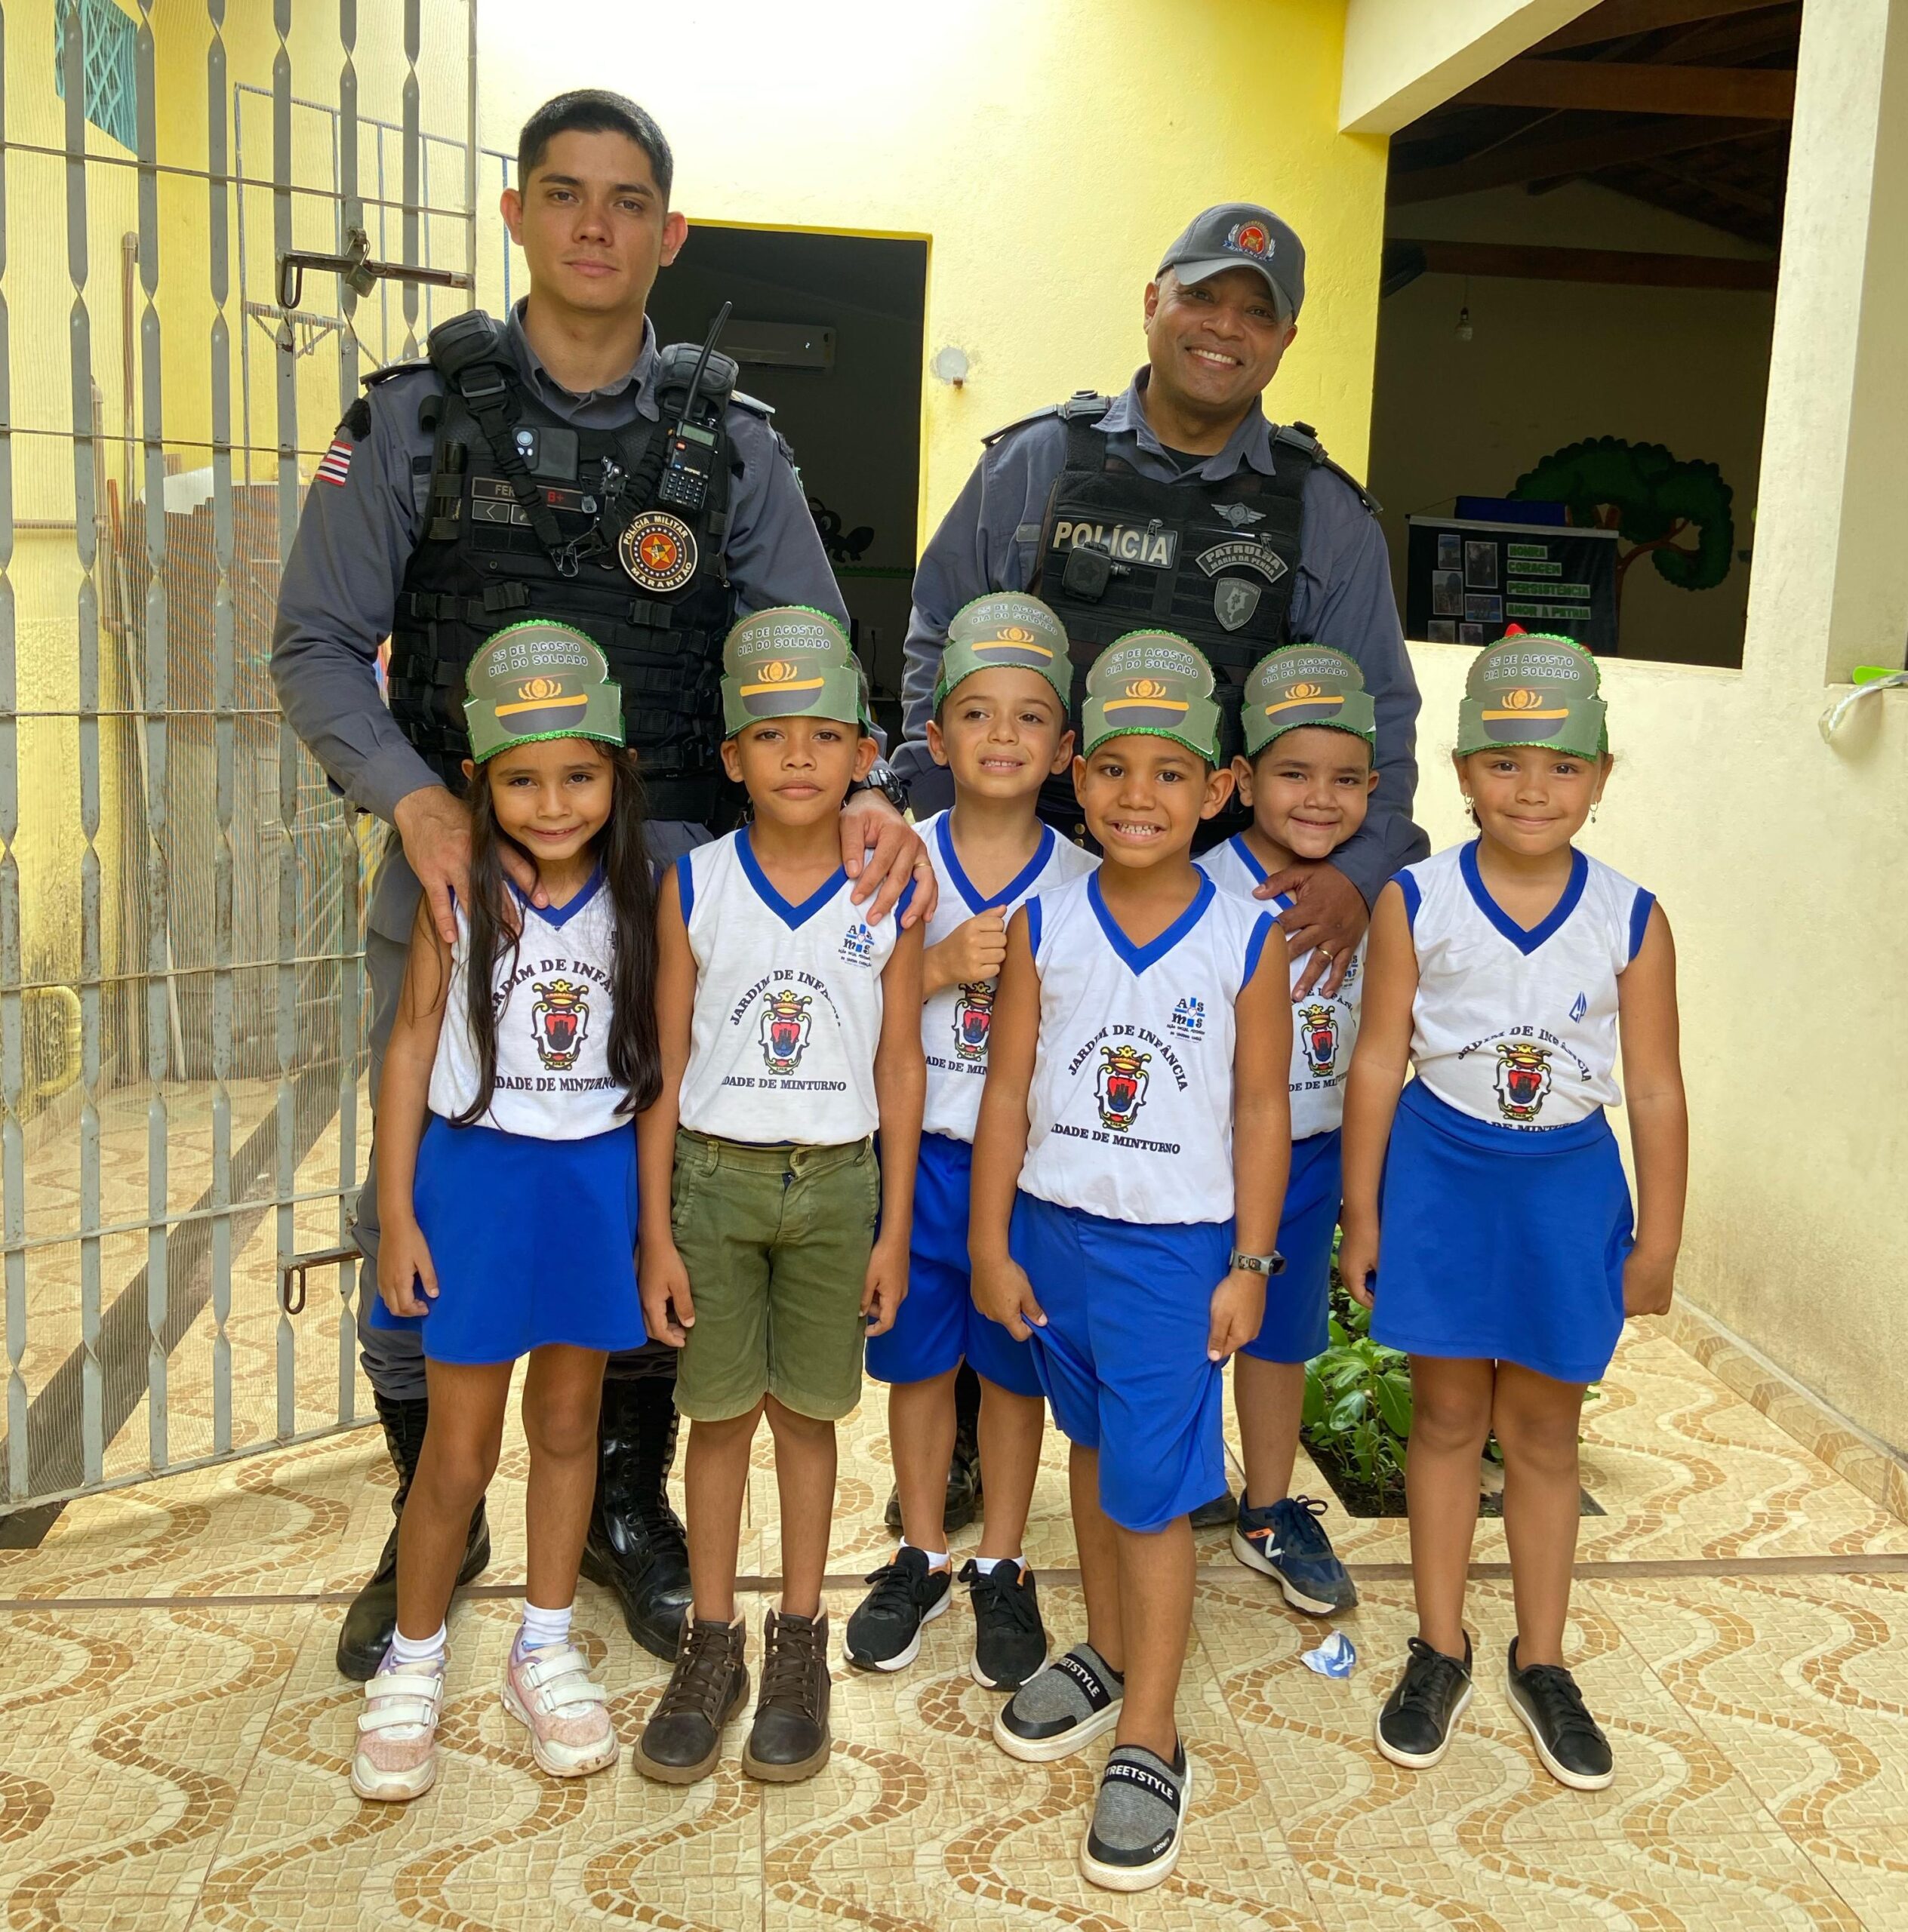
x=1122, y=1358
x=533, y=1242
x=939, y=1326
x=1296, y=1303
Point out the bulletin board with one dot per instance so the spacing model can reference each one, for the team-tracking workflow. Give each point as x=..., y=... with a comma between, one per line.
x=1465, y=582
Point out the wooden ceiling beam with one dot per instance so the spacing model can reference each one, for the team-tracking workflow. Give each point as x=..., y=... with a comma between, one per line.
x=1617, y=18
x=1637, y=87
x=1580, y=154
x=1630, y=268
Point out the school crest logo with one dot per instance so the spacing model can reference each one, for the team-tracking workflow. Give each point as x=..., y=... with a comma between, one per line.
x=785, y=1024
x=974, y=1019
x=559, y=1022
x=1319, y=1034
x=1189, y=1019
x=1120, y=1085
x=1523, y=1079
x=858, y=945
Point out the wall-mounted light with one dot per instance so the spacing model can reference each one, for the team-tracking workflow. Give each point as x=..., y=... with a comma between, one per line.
x=949, y=365
x=1464, y=314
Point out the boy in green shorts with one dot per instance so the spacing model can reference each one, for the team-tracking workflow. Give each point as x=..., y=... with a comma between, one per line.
x=789, y=1028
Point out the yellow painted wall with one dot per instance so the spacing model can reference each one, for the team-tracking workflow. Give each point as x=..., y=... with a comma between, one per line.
x=1049, y=152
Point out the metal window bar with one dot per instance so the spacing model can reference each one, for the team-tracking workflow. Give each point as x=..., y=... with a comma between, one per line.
x=181, y=1061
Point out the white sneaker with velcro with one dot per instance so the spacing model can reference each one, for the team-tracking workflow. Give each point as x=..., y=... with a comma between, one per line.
x=551, y=1694
x=396, y=1757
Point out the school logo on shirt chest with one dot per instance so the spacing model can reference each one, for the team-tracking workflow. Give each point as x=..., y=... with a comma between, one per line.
x=785, y=1025
x=1523, y=1079
x=1119, y=1084
x=974, y=1019
x=1318, y=1032
x=1189, y=1019
x=559, y=1022
x=857, y=946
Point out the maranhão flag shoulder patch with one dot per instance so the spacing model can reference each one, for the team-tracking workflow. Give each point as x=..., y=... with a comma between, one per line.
x=335, y=465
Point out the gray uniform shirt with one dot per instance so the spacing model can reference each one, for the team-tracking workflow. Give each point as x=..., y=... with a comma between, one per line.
x=363, y=519
x=990, y=540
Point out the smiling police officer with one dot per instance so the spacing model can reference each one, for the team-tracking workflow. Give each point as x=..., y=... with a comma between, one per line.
x=556, y=464
x=1176, y=504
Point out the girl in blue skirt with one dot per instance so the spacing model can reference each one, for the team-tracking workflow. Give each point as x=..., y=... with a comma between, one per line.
x=1487, y=1221
x=506, y=1178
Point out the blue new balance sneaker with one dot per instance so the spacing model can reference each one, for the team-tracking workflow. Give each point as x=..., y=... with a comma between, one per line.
x=1288, y=1543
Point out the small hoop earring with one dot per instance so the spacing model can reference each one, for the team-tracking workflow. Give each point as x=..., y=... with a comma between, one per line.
x=1470, y=810
x=1593, y=812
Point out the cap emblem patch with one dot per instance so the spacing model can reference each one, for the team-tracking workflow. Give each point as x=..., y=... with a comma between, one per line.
x=1249, y=237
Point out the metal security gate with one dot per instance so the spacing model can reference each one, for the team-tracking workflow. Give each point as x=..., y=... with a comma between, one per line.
x=182, y=1064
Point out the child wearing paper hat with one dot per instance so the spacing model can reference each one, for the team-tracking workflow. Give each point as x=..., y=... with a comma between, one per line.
x=1486, y=1220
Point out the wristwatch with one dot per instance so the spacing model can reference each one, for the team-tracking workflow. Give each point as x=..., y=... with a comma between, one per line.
x=882, y=777
x=1273, y=1263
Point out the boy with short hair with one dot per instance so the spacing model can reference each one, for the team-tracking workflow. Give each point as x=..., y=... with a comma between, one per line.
x=1000, y=727
x=1127, y=1172
x=789, y=1029
x=1306, y=776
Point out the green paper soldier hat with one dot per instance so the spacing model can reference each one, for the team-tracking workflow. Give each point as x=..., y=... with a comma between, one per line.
x=789, y=662
x=1153, y=682
x=540, y=680
x=1006, y=627
x=1306, y=684
x=1529, y=688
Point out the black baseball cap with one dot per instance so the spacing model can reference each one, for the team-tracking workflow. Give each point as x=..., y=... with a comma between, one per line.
x=1241, y=235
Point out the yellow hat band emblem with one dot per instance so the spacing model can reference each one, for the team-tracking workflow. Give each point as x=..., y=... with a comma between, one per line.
x=552, y=703
x=1314, y=697
x=1498, y=717
x=770, y=684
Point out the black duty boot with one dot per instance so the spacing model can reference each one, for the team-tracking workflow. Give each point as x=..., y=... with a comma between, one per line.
x=963, y=1502
x=372, y=1614
x=635, y=1547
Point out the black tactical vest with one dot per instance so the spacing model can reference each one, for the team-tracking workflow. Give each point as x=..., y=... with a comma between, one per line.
x=532, y=517
x=1214, y=562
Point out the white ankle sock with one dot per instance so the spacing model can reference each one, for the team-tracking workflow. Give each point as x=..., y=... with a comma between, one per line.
x=937, y=1559
x=406, y=1651
x=543, y=1627
x=987, y=1565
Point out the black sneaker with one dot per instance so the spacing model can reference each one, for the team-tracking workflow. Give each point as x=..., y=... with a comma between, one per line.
x=1415, y=1726
x=885, y=1631
x=1568, y=1740
x=1010, y=1640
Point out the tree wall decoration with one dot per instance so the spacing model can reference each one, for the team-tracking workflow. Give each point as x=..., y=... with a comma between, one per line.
x=1649, y=498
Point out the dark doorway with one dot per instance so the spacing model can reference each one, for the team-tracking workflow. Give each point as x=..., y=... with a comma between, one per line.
x=836, y=347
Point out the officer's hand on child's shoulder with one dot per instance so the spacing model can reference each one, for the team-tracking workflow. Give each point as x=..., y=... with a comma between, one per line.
x=669, y=1307
x=405, y=1267
x=1649, y=1283
x=1239, y=1312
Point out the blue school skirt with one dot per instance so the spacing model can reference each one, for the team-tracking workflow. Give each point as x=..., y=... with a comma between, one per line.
x=1501, y=1245
x=533, y=1242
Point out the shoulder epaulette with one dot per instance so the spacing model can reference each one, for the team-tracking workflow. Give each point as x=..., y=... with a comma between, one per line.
x=1088, y=405
x=391, y=369
x=753, y=405
x=1302, y=437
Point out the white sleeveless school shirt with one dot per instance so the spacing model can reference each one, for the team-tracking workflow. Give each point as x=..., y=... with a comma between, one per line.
x=1323, y=1031
x=956, y=1021
x=1131, y=1110
x=552, y=1004
x=788, y=1003
x=1513, y=1027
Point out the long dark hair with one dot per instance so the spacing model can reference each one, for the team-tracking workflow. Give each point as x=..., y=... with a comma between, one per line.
x=635, y=1054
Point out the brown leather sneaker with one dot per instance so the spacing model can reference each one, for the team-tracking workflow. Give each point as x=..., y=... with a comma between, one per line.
x=789, y=1740
x=683, y=1738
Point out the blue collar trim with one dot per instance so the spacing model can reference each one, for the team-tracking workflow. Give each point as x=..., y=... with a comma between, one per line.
x=1527, y=939
x=1249, y=859
x=1139, y=958
x=791, y=916
x=561, y=915
x=1012, y=890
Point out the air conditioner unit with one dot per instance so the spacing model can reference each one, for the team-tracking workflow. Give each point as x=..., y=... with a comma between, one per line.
x=780, y=345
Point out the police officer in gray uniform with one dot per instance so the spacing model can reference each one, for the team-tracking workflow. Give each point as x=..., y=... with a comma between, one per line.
x=557, y=464
x=1177, y=504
